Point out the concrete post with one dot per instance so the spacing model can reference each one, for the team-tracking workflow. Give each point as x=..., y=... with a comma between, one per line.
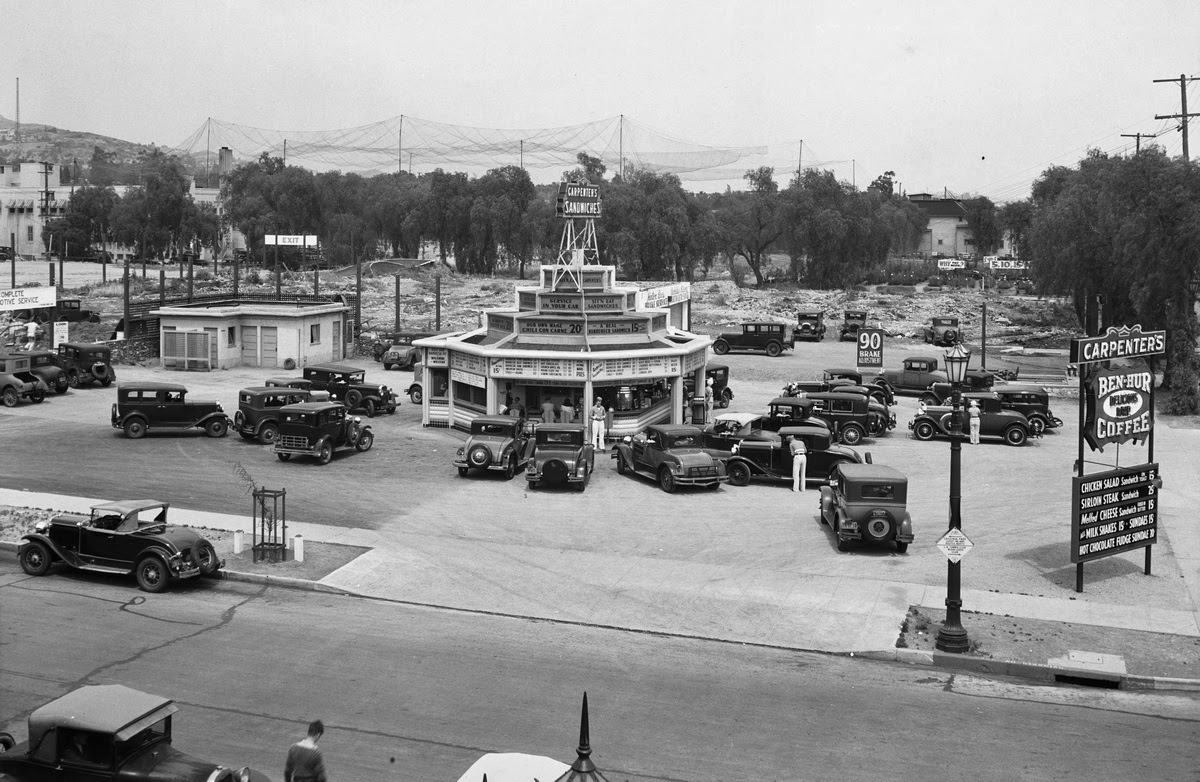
x=299, y=548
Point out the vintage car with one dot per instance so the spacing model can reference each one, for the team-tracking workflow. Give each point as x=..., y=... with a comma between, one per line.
x=1031, y=401
x=68, y=310
x=852, y=415
x=131, y=536
x=772, y=458
x=867, y=502
x=728, y=429
x=18, y=382
x=318, y=429
x=942, y=331
x=257, y=416
x=44, y=364
x=994, y=420
x=398, y=350
x=561, y=453
x=853, y=321
x=347, y=384
x=107, y=733
x=975, y=380
x=672, y=455
x=915, y=376
x=719, y=374
x=810, y=324
x=838, y=376
x=789, y=411
x=772, y=337
x=86, y=362
x=496, y=442
x=141, y=407
x=289, y=382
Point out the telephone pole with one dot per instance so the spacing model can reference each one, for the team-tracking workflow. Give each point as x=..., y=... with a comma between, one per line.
x=1139, y=137
x=1183, y=115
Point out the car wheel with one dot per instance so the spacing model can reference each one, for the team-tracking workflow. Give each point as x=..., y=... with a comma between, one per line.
x=268, y=434
x=510, y=468
x=387, y=367
x=666, y=479
x=949, y=337
x=879, y=528
x=216, y=428
x=37, y=397
x=205, y=557
x=852, y=434
x=901, y=547
x=106, y=382
x=479, y=456
x=10, y=397
x=924, y=430
x=462, y=472
x=35, y=558
x=1037, y=426
x=620, y=464
x=152, y=575
x=369, y=408
x=726, y=397
x=1015, y=435
x=774, y=349
x=353, y=399
x=325, y=453
x=135, y=429
x=246, y=436
x=7, y=742
x=73, y=378
x=415, y=396
x=739, y=474
x=365, y=441
x=843, y=545
x=283, y=457
x=929, y=400
x=61, y=386
x=720, y=347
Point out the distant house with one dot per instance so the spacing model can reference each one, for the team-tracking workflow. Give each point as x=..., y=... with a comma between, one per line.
x=948, y=233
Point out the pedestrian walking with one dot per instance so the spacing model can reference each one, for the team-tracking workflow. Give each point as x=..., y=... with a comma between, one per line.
x=304, y=760
x=597, y=416
x=547, y=411
x=799, y=463
x=708, y=400
x=973, y=413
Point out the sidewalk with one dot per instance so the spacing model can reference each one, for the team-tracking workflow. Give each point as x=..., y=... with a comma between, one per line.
x=692, y=599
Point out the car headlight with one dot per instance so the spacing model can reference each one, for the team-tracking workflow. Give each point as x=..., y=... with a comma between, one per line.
x=42, y=527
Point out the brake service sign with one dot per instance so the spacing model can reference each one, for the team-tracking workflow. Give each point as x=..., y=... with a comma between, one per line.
x=870, y=348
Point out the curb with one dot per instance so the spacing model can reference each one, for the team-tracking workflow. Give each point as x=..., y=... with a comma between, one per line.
x=1031, y=671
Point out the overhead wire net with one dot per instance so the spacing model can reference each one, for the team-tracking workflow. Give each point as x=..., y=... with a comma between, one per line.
x=418, y=145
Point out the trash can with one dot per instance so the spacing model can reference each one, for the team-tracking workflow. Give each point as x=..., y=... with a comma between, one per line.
x=698, y=411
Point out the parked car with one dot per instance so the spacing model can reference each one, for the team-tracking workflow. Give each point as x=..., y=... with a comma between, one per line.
x=942, y=331
x=141, y=407
x=1031, y=401
x=994, y=420
x=44, y=364
x=772, y=457
x=318, y=429
x=131, y=536
x=867, y=502
x=975, y=380
x=838, y=376
x=68, y=310
x=772, y=337
x=415, y=393
x=560, y=453
x=18, y=382
x=257, y=416
x=853, y=321
x=672, y=455
x=719, y=374
x=107, y=733
x=852, y=416
x=728, y=429
x=302, y=383
x=790, y=411
x=86, y=362
x=348, y=384
x=496, y=442
x=810, y=324
x=915, y=376
x=398, y=343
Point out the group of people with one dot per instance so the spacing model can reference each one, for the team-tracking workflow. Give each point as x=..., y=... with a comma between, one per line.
x=598, y=418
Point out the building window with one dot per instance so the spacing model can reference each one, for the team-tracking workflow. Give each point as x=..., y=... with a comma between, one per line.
x=29, y=233
x=232, y=339
x=939, y=242
x=314, y=334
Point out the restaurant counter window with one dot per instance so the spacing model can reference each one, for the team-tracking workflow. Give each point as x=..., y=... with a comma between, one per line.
x=438, y=381
x=314, y=334
x=470, y=396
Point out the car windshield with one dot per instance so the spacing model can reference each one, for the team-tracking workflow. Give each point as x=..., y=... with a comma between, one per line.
x=560, y=438
x=493, y=429
x=878, y=491
x=142, y=738
x=299, y=418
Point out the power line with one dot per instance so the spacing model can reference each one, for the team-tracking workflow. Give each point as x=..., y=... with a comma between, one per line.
x=1183, y=115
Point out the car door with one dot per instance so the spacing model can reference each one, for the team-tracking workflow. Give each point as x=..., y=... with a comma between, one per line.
x=104, y=547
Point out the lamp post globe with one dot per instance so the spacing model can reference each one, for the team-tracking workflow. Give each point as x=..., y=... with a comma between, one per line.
x=952, y=636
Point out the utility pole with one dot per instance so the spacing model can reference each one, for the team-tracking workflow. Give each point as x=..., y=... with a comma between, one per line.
x=46, y=202
x=800, y=162
x=1139, y=136
x=1183, y=115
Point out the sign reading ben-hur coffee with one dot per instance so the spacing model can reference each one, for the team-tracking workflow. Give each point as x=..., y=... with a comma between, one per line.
x=1116, y=510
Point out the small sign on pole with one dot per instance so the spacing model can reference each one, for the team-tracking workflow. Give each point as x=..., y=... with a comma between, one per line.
x=954, y=544
x=62, y=330
x=870, y=348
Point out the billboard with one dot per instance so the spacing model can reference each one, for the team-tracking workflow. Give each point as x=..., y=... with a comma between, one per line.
x=27, y=298
x=951, y=263
x=1114, y=511
x=870, y=348
x=577, y=199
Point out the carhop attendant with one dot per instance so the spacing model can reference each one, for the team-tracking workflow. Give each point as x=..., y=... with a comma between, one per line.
x=597, y=415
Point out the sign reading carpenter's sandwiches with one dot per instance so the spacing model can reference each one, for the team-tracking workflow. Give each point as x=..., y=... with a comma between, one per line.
x=1118, y=407
x=577, y=199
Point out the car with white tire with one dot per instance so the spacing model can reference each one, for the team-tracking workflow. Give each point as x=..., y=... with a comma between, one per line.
x=86, y=363
x=867, y=503
x=496, y=442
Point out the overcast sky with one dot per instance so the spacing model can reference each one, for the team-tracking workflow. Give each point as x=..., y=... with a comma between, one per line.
x=974, y=97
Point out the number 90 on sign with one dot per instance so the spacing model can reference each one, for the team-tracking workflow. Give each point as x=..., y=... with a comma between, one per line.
x=870, y=339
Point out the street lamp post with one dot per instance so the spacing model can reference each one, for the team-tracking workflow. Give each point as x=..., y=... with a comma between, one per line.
x=952, y=636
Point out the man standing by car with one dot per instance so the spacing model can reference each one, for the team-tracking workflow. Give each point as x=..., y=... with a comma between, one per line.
x=973, y=413
x=597, y=415
x=304, y=760
x=799, y=463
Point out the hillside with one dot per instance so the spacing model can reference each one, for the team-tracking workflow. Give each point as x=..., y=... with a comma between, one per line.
x=63, y=147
